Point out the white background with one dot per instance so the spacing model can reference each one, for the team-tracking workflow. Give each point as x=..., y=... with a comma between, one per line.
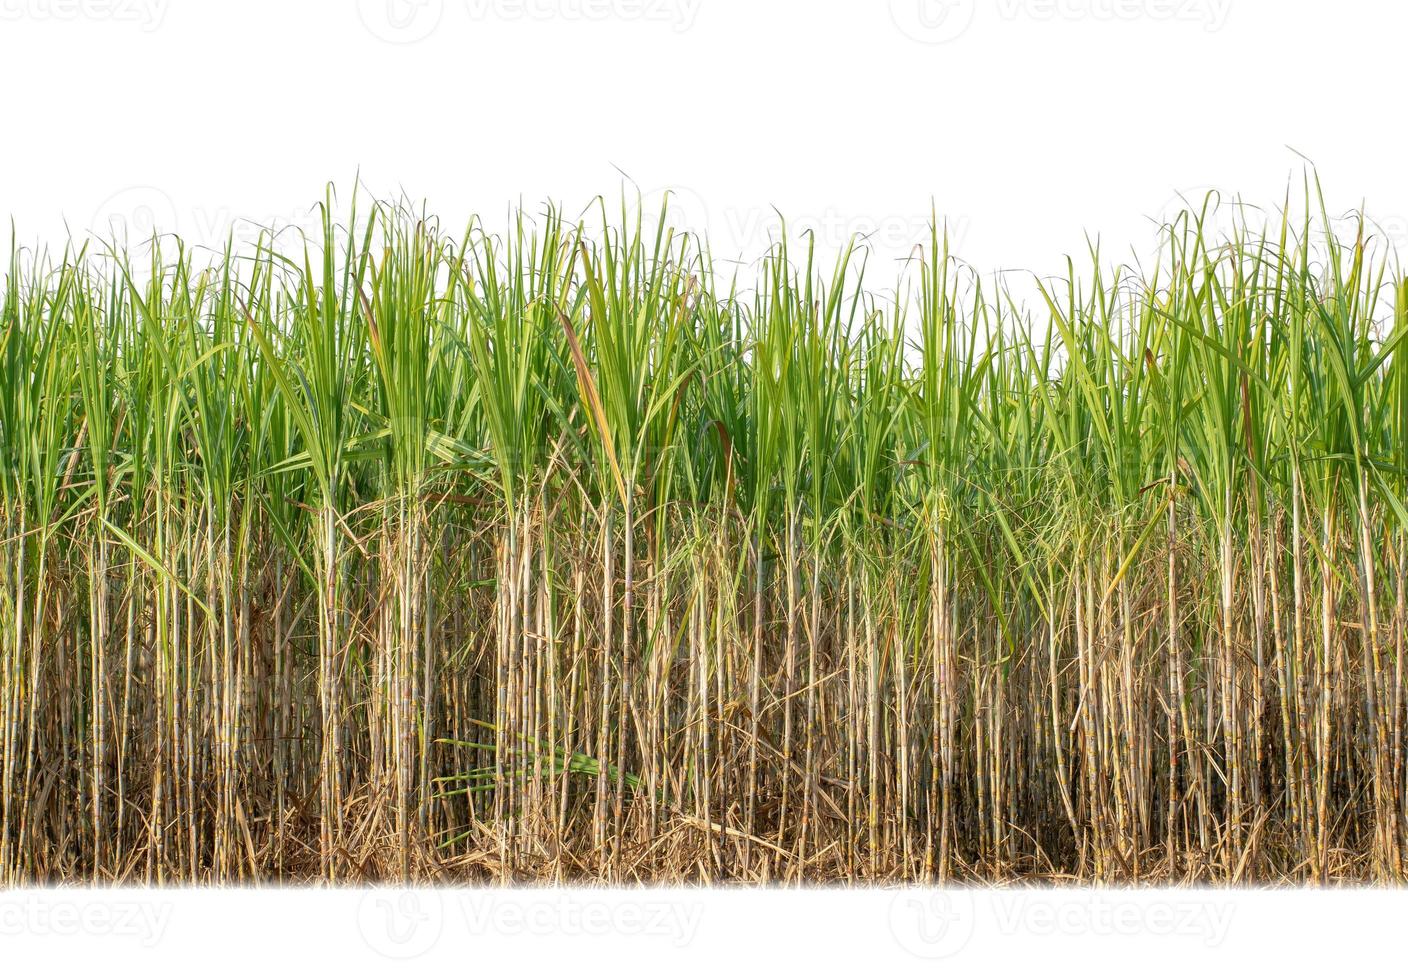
x=731, y=934
x=1029, y=125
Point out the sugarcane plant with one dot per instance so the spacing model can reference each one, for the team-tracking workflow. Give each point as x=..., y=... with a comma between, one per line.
x=563, y=552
